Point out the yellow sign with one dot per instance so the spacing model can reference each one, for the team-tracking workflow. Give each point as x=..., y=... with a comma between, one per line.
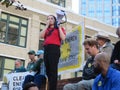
x=72, y=51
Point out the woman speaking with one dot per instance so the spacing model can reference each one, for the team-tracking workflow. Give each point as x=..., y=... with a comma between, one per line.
x=53, y=34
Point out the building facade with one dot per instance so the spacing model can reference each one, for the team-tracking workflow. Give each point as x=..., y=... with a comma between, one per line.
x=107, y=11
x=19, y=30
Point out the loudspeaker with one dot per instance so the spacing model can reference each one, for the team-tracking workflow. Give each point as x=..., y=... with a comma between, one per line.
x=60, y=14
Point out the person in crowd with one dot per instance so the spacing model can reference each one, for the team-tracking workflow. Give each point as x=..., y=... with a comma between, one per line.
x=109, y=78
x=30, y=86
x=31, y=55
x=115, y=58
x=37, y=72
x=18, y=66
x=104, y=42
x=53, y=34
x=91, y=47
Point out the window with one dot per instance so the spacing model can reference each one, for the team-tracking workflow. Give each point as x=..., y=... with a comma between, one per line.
x=115, y=21
x=107, y=19
x=6, y=65
x=114, y=1
x=118, y=11
x=13, y=30
x=83, y=12
x=91, y=2
x=119, y=22
x=99, y=13
x=107, y=12
x=42, y=27
x=91, y=11
x=58, y=2
x=99, y=9
x=83, y=8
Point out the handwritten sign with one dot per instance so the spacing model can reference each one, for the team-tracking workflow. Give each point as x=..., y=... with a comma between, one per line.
x=15, y=80
x=72, y=52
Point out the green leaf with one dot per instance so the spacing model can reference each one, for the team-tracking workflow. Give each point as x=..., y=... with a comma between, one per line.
x=10, y=4
x=3, y=3
x=7, y=4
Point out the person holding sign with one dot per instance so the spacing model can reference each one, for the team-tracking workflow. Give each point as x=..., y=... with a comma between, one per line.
x=52, y=34
x=37, y=73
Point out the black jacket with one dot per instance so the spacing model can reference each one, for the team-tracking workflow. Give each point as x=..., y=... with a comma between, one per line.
x=116, y=52
x=88, y=70
x=37, y=65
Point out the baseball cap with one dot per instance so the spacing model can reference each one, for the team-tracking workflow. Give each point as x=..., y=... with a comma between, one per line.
x=39, y=52
x=31, y=52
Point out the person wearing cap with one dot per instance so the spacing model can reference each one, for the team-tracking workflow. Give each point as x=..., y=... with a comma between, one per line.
x=31, y=55
x=104, y=42
x=115, y=58
x=39, y=75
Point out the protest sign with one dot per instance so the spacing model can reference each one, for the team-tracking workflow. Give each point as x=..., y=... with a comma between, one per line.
x=72, y=52
x=15, y=80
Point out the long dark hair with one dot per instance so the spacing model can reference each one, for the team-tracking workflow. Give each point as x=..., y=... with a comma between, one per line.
x=55, y=23
x=55, y=26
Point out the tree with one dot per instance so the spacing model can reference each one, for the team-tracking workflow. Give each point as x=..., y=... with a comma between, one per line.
x=7, y=2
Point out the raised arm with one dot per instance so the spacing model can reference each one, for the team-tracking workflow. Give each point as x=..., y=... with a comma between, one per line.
x=42, y=33
x=62, y=33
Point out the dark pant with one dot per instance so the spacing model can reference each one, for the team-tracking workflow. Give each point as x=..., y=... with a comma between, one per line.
x=37, y=79
x=51, y=58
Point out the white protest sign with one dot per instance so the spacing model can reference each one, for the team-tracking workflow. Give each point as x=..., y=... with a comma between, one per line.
x=15, y=80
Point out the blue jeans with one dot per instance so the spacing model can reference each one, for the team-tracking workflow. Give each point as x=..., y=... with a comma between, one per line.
x=37, y=79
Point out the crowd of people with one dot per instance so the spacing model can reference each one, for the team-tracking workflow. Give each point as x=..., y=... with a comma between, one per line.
x=53, y=34
x=35, y=66
x=101, y=71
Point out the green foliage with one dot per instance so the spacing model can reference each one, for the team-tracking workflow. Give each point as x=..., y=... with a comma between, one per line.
x=7, y=3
